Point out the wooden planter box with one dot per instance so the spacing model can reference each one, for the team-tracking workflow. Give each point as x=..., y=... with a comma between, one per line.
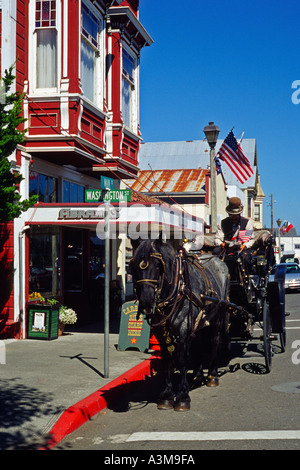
x=42, y=321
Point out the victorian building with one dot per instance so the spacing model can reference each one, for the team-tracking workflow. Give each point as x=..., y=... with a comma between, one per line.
x=77, y=63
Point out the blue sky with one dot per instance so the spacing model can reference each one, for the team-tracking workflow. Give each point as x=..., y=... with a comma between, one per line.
x=235, y=65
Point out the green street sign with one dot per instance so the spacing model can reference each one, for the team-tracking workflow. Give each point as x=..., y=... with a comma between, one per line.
x=115, y=195
x=106, y=182
x=134, y=333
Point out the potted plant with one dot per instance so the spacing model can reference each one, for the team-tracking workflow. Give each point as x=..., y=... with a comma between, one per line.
x=67, y=316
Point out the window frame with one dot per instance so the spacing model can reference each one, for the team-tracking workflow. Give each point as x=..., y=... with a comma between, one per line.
x=71, y=183
x=48, y=177
x=133, y=84
x=33, y=48
x=97, y=46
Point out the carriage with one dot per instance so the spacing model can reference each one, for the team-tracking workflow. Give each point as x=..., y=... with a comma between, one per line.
x=189, y=295
x=253, y=300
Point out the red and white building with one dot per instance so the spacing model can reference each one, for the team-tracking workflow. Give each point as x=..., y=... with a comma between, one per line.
x=77, y=63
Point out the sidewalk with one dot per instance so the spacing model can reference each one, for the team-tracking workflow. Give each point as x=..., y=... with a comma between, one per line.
x=53, y=387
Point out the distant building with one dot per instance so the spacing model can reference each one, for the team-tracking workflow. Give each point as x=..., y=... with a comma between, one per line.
x=191, y=155
x=289, y=245
x=188, y=189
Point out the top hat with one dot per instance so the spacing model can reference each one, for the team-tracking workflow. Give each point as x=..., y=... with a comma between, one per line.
x=235, y=206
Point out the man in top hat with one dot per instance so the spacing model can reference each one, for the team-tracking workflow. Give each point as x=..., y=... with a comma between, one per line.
x=235, y=231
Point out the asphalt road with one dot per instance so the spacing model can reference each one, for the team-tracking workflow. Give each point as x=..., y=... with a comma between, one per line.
x=250, y=410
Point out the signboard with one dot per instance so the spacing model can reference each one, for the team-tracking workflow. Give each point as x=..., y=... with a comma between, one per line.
x=106, y=182
x=114, y=195
x=134, y=333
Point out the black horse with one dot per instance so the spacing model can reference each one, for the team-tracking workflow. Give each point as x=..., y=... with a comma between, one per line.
x=180, y=295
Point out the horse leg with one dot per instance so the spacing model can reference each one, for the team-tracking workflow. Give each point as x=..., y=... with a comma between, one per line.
x=213, y=379
x=198, y=377
x=182, y=398
x=166, y=397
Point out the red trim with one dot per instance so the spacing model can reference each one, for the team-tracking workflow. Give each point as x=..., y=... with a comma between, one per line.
x=76, y=415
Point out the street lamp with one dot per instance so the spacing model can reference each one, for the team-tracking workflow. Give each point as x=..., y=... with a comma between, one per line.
x=211, y=133
x=279, y=221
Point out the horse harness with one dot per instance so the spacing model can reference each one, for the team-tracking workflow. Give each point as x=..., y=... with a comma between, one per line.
x=181, y=290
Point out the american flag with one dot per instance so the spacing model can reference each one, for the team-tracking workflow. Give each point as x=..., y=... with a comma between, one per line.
x=232, y=154
x=244, y=236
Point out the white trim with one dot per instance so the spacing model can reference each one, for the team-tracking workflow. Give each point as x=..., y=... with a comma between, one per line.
x=65, y=40
x=126, y=11
x=32, y=50
x=8, y=36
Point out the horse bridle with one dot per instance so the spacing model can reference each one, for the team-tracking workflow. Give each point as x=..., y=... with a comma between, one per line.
x=156, y=284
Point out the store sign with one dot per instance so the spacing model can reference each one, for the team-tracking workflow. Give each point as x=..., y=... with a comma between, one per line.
x=134, y=332
x=114, y=195
x=89, y=214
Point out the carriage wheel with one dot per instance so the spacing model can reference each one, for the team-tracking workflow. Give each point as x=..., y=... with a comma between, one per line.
x=267, y=335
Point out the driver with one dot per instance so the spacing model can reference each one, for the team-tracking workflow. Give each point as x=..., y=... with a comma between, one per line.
x=234, y=232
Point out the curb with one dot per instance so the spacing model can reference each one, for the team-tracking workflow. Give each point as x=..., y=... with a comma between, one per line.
x=78, y=414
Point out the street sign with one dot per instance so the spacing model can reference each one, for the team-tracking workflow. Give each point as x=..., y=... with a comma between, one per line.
x=114, y=195
x=106, y=182
x=134, y=333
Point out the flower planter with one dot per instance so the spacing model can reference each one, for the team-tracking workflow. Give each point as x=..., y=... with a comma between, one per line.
x=42, y=321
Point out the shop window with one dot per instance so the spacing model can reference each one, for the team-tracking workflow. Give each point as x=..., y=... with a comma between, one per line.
x=73, y=192
x=45, y=261
x=46, y=34
x=73, y=261
x=43, y=186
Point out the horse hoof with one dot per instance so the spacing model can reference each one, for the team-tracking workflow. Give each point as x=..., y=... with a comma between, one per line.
x=165, y=404
x=182, y=406
x=212, y=381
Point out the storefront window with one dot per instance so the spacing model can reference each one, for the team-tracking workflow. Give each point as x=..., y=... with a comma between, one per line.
x=73, y=266
x=44, y=261
x=73, y=192
x=43, y=186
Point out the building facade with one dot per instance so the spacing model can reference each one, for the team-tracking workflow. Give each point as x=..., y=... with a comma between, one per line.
x=190, y=155
x=77, y=63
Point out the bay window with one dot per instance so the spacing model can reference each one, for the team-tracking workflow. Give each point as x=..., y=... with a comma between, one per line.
x=128, y=90
x=90, y=53
x=46, y=47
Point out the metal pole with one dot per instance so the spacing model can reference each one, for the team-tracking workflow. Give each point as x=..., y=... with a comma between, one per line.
x=272, y=228
x=279, y=245
x=213, y=190
x=106, y=288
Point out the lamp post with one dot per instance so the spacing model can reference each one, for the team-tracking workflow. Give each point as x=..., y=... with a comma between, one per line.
x=211, y=133
x=279, y=221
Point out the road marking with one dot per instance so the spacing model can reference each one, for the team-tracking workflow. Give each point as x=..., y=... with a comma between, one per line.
x=206, y=436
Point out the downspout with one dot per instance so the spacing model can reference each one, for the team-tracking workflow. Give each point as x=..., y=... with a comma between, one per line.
x=21, y=279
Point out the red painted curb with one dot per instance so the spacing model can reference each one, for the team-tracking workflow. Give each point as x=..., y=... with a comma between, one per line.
x=76, y=415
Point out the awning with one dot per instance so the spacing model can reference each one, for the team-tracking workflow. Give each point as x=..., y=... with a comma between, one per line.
x=133, y=220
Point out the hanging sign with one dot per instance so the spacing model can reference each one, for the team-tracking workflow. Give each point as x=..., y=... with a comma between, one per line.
x=134, y=333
